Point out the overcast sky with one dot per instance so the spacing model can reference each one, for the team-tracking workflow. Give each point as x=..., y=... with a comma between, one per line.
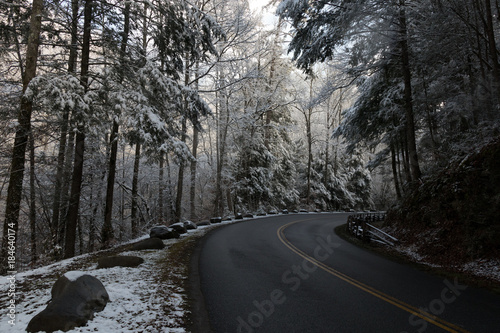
x=257, y=4
x=268, y=17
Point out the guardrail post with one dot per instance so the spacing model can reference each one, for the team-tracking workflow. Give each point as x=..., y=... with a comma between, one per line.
x=365, y=236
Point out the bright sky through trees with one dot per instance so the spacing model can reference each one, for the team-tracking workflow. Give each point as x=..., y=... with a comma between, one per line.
x=268, y=17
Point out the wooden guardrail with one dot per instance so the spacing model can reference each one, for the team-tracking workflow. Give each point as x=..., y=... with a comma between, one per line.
x=361, y=226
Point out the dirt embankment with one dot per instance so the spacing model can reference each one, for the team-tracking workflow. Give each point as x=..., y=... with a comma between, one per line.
x=453, y=217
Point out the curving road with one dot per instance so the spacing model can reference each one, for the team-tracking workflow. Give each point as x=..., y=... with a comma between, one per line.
x=291, y=273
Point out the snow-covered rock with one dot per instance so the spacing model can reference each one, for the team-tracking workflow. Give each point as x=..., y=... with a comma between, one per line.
x=179, y=227
x=216, y=219
x=190, y=225
x=147, y=244
x=73, y=303
x=163, y=232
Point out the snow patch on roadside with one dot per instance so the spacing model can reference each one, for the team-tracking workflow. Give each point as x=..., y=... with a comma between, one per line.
x=486, y=268
x=410, y=252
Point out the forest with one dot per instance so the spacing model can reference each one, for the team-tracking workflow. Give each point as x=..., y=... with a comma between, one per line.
x=116, y=116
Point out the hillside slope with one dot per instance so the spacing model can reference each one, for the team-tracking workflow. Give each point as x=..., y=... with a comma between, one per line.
x=453, y=217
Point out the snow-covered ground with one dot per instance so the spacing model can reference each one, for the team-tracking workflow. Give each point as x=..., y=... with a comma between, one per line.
x=485, y=268
x=137, y=298
x=489, y=268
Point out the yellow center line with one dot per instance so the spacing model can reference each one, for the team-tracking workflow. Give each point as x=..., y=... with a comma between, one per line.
x=389, y=299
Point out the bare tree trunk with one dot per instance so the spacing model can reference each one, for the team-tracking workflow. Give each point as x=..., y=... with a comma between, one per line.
x=80, y=235
x=270, y=85
x=134, y=219
x=170, y=196
x=76, y=183
x=94, y=206
x=107, y=228
x=107, y=234
x=395, y=172
x=490, y=31
x=222, y=129
x=194, y=163
x=326, y=174
x=192, y=190
x=399, y=162
x=180, y=179
x=135, y=191
x=32, y=199
x=220, y=145
x=408, y=98
x=56, y=206
x=61, y=156
x=308, y=115
x=14, y=191
x=161, y=188
x=65, y=190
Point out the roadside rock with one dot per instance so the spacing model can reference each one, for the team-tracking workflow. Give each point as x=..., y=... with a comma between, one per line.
x=75, y=299
x=147, y=244
x=122, y=261
x=216, y=220
x=163, y=232
x=190, y=225
x=203, y=223
x=179, y=227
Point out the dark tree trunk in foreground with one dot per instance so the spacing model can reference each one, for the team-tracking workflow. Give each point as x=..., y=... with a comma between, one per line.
x=76, y=183
x=107, y=228
x=32, y=199
x=180, y=179
x=192, y=190
x=408, y=98
x=135, y=191
x=14, y=192
x=58, y=187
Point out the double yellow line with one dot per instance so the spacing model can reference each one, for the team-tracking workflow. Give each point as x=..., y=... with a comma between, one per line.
x=389, y=299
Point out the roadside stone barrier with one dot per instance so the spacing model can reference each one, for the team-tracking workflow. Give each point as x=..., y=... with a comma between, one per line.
x=153, y=243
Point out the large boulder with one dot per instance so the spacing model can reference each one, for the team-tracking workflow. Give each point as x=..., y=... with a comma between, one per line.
x=203, y=223
x=75, y=299
x=179, y=227
x=147, y=244
x=190, y=225
x=121, y=261
x=163, y=232
x=216, y=220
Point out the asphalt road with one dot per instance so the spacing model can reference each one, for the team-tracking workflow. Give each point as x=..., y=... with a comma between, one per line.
x=292, y=273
